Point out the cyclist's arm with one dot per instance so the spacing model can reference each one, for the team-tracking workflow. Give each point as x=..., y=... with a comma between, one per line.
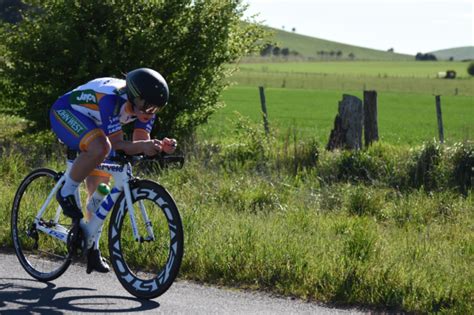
x=112, y=127
x=149, y=147
x=140, y=134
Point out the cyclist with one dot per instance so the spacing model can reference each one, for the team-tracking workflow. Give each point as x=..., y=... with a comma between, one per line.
x=90, y=118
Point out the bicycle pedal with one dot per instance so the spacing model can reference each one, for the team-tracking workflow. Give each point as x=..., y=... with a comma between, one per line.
x=33, y=233
x=75, y=240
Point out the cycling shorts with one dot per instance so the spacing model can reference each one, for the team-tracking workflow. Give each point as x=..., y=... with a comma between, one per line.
x=73, y=128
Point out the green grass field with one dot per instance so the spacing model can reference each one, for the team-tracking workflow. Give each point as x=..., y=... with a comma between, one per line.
x=383, y=76
x=403, y=118
x=412, y=69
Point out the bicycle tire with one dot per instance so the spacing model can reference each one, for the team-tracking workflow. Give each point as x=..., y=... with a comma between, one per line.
x=125, y=264
x=29, y=196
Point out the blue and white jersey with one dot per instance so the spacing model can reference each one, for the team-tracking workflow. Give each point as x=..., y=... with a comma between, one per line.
x=104, y=101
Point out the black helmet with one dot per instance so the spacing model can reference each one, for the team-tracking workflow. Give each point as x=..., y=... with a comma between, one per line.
x=148, y=85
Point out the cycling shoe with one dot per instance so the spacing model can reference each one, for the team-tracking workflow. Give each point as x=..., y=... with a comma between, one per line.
x=96, y=262
x=69, y=206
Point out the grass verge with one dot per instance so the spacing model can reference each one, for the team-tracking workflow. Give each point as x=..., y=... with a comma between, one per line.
x=348, y=239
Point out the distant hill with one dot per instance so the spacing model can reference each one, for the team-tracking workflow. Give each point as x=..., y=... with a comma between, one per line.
x=312, y=48
x=458, y=53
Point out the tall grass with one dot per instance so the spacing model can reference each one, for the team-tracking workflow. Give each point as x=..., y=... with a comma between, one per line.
x=351, y=228
x=340, y=243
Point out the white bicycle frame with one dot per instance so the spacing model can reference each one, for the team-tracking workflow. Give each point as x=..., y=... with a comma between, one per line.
x=121, y=174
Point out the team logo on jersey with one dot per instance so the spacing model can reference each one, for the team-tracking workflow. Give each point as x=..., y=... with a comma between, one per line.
x=70, y=122
x=83, y=97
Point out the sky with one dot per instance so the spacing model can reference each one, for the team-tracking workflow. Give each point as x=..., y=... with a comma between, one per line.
x=408, y=26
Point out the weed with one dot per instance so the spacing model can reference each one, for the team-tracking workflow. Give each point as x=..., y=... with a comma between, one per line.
x=463, y=170
x=363, y=201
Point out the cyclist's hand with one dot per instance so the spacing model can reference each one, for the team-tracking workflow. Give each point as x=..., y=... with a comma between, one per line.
x=152, y=147
x=169, y=145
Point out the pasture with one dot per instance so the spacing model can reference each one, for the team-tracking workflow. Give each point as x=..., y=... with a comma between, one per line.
x=403, y=77
x=404, y=118
x=405, y=69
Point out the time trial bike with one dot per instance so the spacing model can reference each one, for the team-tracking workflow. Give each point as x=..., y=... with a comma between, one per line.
x=145, y=247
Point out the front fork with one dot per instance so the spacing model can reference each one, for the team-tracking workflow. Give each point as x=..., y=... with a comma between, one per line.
x=131, y=213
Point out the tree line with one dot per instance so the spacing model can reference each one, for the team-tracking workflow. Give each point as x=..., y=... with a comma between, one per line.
x=269, y=50
x=425, y=57
x=274, y=50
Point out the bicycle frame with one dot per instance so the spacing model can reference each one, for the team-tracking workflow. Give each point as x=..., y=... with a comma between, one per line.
x=122, y=175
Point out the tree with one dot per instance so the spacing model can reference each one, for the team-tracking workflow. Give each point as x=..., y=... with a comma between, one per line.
x=285, y=52
x=276, y=51
x=293, y=29
x=425, y=57
x=11, y=10
x=267, y=50
x=66, y=43
x=470, y=69
x=294, y=53
x=351, y=56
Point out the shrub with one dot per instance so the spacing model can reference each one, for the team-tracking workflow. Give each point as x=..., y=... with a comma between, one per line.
x=358, y=166
x=463, y=166
x=363, y=201
x=65, y=43
x=423, y=171
x=295, y=155
x=470, y=69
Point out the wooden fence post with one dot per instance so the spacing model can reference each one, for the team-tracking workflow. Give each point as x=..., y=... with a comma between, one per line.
x=440, y=118
x=264, y=109
x=371, y=132
x=347, y=132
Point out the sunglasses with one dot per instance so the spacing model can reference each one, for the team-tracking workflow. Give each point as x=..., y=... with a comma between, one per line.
x=146, y=108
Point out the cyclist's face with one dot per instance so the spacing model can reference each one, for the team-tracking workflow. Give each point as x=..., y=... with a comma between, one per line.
x=145, y=108
x=142, y=116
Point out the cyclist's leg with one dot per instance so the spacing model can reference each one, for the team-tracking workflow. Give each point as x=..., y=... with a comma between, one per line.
x=94, y=257
x=93, y=152
x=95, y=178
x=78, y=132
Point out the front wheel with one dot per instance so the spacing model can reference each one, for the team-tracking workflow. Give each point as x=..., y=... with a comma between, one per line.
x=146, y=268
x=43, y=256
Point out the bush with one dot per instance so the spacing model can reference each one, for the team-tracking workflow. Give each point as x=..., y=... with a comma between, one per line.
x=247, y=146
x=65, y=43
x=295, y=154
x=470, y=69
x=463, y=167
x=358, y=166
x=363, y=201
x=423, y=172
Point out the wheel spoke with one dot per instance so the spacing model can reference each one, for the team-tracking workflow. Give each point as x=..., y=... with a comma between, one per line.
x=43, y=256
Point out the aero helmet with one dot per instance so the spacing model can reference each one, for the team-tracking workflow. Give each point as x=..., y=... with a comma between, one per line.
x=149, y=86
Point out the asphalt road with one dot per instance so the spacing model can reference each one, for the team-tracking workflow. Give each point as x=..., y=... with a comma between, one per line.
x=77, y=292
